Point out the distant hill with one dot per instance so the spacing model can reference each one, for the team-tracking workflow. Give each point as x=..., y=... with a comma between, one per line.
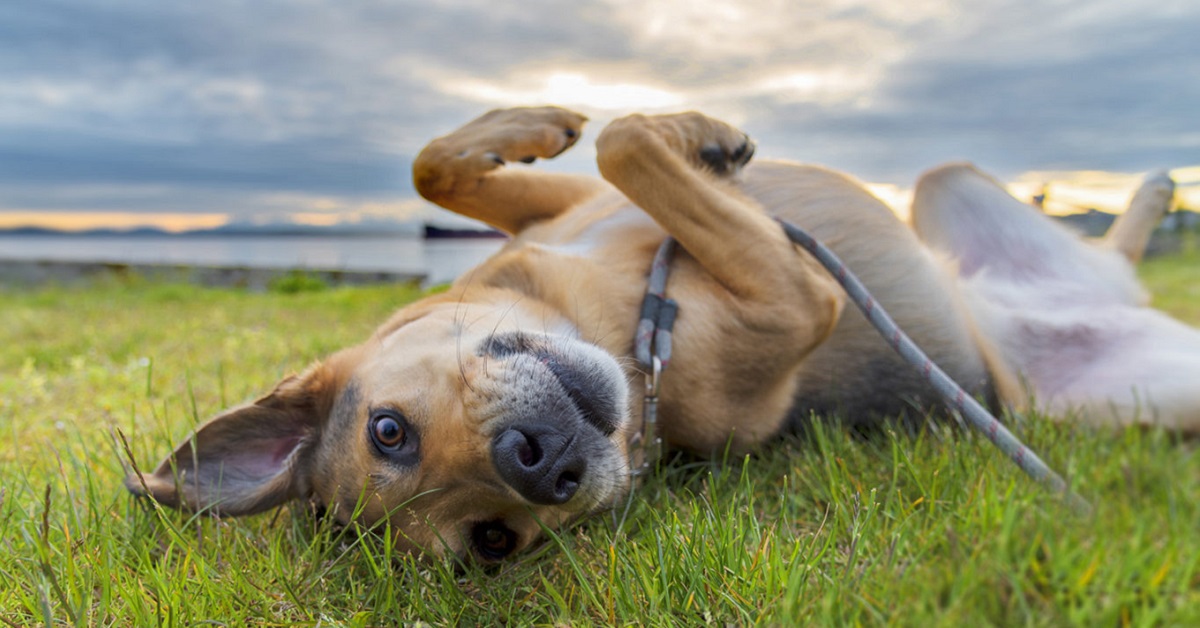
x=376, y=229
x=45, y=231
x=1095, y=223
x=1182, y=219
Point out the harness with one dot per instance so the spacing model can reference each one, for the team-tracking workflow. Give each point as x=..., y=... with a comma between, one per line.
x=652, y=349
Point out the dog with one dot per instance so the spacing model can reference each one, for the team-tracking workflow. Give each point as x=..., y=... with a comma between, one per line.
x=474, y=417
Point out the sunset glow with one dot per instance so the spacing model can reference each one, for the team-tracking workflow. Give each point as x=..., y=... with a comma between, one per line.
x=83, y=221
x=569, y=89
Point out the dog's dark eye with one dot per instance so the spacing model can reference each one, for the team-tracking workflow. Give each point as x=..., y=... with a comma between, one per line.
x=493, y=540
x=388, y=432
x=393, y=437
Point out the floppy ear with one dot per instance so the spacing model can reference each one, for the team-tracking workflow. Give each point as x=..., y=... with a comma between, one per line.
x=250, y=458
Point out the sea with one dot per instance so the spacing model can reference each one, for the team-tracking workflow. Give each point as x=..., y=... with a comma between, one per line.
x=439, y=260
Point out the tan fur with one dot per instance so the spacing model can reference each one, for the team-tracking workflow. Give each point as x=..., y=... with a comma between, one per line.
x=763, y=338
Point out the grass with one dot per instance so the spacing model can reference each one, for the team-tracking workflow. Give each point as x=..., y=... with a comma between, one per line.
x=1175, y=280
x=933, y=528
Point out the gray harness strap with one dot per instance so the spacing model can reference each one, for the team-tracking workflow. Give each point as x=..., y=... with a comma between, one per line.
x=652, y=349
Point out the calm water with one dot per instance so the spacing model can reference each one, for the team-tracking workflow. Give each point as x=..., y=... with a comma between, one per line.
x=439, y=260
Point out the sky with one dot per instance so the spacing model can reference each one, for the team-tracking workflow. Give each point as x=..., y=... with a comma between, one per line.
x=193, y=113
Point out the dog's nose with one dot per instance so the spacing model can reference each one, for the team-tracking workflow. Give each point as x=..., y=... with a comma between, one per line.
x=544, y=465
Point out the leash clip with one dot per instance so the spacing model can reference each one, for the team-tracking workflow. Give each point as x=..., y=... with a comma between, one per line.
x=648, y=439
x=652, y=349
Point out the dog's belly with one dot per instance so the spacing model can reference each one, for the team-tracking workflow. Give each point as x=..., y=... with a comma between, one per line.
x=1081, y=352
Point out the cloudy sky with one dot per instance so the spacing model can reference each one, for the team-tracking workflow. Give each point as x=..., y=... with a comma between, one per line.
x=195, y=112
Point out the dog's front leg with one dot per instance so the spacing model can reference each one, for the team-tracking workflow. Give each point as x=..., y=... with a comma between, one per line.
x=771, y=304
x=676, y=168
x=464, y=171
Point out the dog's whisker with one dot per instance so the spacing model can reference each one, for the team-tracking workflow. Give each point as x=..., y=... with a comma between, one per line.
x=462, y=367
x=458, y=319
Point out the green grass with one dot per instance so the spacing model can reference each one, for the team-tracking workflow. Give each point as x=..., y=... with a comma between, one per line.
x=927, y=529
x=1175, y=280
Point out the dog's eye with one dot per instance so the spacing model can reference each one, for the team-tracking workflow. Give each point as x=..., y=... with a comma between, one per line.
x=493, y=540
x=394, y=438
x=388, y=432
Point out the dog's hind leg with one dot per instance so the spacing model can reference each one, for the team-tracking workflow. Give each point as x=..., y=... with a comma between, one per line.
x=465, y=171
x=1065, y=315
x=1132, y=229
x=968, y=216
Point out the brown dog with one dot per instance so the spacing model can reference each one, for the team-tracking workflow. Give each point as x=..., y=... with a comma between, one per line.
x=474, y=416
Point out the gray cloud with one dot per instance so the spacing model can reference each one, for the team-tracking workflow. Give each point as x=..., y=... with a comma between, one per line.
x=227, y=103
x=1019, y=90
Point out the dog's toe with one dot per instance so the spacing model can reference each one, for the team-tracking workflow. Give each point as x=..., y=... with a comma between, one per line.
x=715, y=158
x=742, y=155
x=722, y=160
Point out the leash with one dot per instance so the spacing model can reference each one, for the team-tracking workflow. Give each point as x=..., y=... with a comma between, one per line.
x=653, y=350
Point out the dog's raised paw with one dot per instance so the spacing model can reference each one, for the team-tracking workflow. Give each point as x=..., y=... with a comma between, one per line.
x=725, y=161
x=522, y=134
x=705, y=143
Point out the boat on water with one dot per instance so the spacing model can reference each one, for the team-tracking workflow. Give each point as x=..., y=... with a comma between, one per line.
x=433, y=232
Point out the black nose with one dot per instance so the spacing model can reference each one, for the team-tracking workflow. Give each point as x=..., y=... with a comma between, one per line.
x=544, y=465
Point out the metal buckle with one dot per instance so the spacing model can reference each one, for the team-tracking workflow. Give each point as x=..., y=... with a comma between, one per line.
x=648, y=439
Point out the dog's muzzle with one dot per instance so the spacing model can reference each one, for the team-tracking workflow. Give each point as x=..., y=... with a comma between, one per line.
x=568, y=400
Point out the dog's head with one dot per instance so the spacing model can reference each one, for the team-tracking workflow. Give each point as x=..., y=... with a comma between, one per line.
x=458, y=426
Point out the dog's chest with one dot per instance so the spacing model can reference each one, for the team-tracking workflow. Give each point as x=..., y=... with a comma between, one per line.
x=598, y=231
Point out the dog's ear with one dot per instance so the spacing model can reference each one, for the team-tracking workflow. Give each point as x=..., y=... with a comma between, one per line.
x=250, y=458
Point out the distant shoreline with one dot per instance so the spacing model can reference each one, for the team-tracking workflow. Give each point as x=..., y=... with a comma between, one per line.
x=154, y=233
x=246, y=259
x=17, y=272
x=416, y=231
